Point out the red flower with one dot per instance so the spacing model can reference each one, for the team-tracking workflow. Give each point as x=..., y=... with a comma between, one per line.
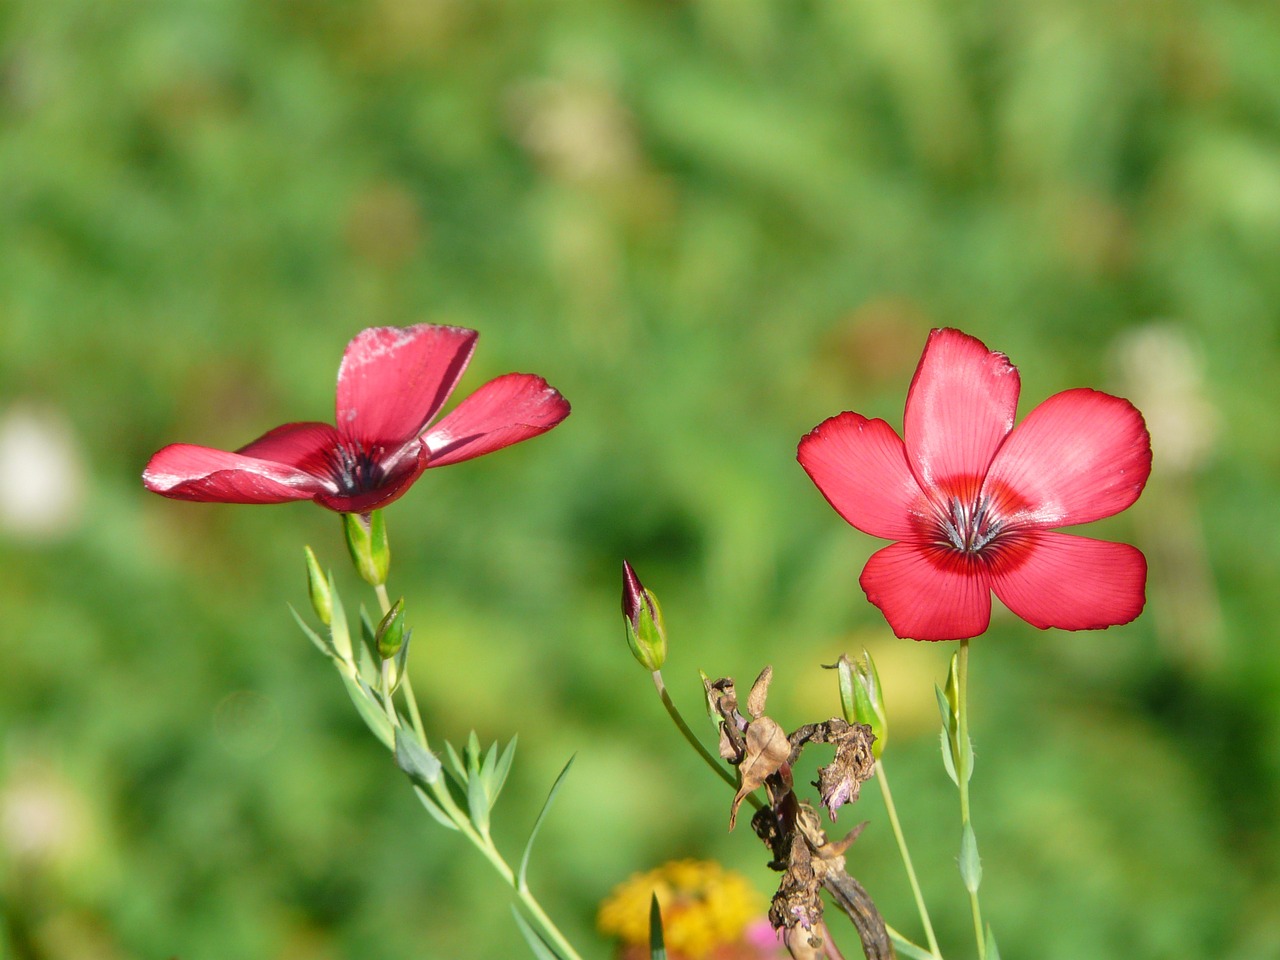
x=972, y=501
x=391, y=384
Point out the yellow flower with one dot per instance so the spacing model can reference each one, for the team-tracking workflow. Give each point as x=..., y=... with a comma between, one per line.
x=704, y=907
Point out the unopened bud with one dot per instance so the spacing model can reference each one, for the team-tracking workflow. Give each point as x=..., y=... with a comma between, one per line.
x=367, y=542
x=861, y=698
x=646, y=632
x=390, y=633
x=318, y=589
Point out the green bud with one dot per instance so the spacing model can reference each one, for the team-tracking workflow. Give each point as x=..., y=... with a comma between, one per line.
x=646, y=631
x=861, y=698
x=318, y=589
x=390, y=633
x=367, y=542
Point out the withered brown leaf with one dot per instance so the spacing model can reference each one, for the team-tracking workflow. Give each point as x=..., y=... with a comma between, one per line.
x=767, y=749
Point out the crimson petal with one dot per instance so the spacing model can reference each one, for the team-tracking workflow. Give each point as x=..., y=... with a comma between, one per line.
x=860, y=466
x=184, y=471
x=928, y=594
x=1073, y=583
x=504, y=411
x=393, y=380
x=960, y=407
x=1079, y=456
x=307, y=446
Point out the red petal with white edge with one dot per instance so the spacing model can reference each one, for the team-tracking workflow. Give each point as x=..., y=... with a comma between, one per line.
x=1079, y=456
x=928, y=594
x=1073, y=583
x=960, y=407
x=186, y=472
x=504, y=411
x=860, y=466
x=393, y=380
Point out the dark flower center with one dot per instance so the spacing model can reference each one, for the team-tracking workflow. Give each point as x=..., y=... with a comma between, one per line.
x=356, y=468
x=968, y=519
x=969, y=526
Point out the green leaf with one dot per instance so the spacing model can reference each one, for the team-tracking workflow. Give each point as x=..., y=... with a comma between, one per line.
x=503, y=768
x=521, y=882
x=372, y=714
x=435, y=810
x=908, y=950
x=455, y=761
x=478, y=803
x=541, y=949
x=966, y=758
x=473, y=754
x=415, y=760
x=947, y=760
x=944, y=708
x=657, y=948
x=338, y=629
x=993, y=953
x=970, y=862
x=322, y=645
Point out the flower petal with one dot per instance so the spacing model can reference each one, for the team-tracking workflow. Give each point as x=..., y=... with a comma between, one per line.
x=504, y=411
x=1079, y=456
x=183, y=471
x=928, y=594
x=307, y=446
x=960, y=407
x=393, y=380
x=1073, y=583
x=860, y=466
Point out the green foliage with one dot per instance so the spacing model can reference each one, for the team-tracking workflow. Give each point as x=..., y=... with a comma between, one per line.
x=711, y=225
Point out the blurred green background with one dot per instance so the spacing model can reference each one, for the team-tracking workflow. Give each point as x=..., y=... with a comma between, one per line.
x=711, y=224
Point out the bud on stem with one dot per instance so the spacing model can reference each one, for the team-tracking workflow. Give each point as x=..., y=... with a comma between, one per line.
x=318, y=589
x=390, y=633
x=367, y=542
x=861, y=698
x=646, y=632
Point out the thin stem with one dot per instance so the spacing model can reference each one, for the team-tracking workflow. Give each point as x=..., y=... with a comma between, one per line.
x=384, y=601
x=898, y=835
x=694, y=742
x=962, y=711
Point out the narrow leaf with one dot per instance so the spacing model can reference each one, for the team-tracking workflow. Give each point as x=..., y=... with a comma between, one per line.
x=473, y=753
x=489, y=768
x=541, y=949
x=521, y=883
x=372, y=714
x=456, y=763
x=947, y=760
x=434, y=809
x=503, y=768
x=657, y=948
x=478, y=803
x=908, y=950
x=321, y=644
x=993, y=953
x=970, y=862
x=966, y=758
x=338, y=629
x=944, y=708
x=415, y=760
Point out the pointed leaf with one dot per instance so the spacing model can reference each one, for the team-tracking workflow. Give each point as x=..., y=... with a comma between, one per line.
x=455, y=761
x=970, y=862
x=322, y=645
x=338, y=629
x=993, y=953
x=521, y=883
x=473, y=753
x=415, y=760
x=372, y=714
x=541, y=949
x=489, y=767
x=908, y=950
x=965, y=758
x=503, y=768
x=478, y=803
x=434, y=809
x=657, y=948
x=944, y=710
x=948, y=760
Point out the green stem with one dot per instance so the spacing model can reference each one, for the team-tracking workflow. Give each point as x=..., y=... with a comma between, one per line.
x=694, y=742
x=896, y=825
x=962, y=728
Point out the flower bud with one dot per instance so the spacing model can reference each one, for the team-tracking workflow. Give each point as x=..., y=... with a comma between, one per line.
x=367, y=542
x=862, y=699
x=390, y=633
x=318, y=589
x=646, y=632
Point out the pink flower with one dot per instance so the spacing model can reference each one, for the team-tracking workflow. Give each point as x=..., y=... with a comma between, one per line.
x=973, y=502
x=391, y=384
